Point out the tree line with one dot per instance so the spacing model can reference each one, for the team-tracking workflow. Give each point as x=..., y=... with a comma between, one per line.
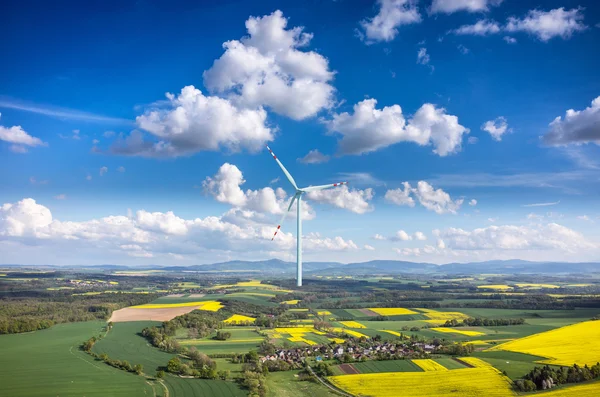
x=546, y=377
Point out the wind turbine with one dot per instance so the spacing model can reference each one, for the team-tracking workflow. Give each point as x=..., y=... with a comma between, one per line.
x=298, y=197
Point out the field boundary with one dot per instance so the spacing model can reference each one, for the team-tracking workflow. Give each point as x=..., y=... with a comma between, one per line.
x=335, y=389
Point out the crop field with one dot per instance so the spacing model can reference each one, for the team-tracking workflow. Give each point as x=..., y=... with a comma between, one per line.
x=238, y=318
x=587, y=389
x=392, y=311
x=242, y=339
x=496, y=287
x=369, y=367
x=133, y=314
x=428, y=365
x=439, y=317
x=458, y=331
x=352, y=324
x=50, y=360
x=515, y=364
x=578, y=343
x=124, y=342
x=468, y=382
x=286, y=384
x=211, y=306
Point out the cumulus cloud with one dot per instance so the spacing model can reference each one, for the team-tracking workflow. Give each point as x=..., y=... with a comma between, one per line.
x=154, y=234
x=368, y=129
x=422, y=56
x=401, y=235
x=546, y=25
x=19, y=138
x=103, y=170
x=392, y=14
x=420, y=236
x=480, y=28
x=473, y=203
x=577, y=126
x=268, y=68
x=497, y=128
x=369, y=247
x=354, y=200
x=435, y=200
x=378, y=237
x=510, y=237
x=314, y=157
x=451, y=6
x=192, y=122
x=400, y=196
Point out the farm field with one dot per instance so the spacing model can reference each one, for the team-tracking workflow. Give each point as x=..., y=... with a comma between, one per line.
x=469, y=382
x=286, y=384
x=369, y=367
x=578, y=343
x=124, y=342
x=587, y=389
x=50, y=360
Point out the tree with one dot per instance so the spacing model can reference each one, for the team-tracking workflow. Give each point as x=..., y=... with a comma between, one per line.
x=160, y=374
x=174, y=365
x=138, y=368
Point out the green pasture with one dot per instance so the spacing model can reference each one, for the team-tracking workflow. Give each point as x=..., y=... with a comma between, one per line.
x=515, y=364
x=286, y=384
x=368, y=367
x=50, y=363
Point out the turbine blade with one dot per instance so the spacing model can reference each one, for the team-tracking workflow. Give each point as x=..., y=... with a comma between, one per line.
x=321, y=187
x=283, y=217
x=287, y=174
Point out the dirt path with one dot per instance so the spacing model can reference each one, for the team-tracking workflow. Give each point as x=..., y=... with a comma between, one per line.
x=329, y=385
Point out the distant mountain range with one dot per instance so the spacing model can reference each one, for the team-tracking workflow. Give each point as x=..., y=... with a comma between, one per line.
x=379, y=267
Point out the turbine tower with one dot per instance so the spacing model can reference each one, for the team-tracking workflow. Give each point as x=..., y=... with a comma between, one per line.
x=298, y=197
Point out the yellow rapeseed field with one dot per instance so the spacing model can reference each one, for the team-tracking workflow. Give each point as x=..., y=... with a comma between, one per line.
x=212, y=341
x=578, y=343
x=337, y=340
x=457, y=331
x=467, y=382
x=534, y=286
x=301, y=339
x=589, y=389
x=291, y=302
x=211, y=306
x=390, y=332
x=476, y=362
x=391, y=311
x=324, y=313
x=436, y=317
x=238, y=318
x=298, y=310
x=429, y=365
x=356, y=334
x=495, y=286
x=252, y=294
x=352, y=324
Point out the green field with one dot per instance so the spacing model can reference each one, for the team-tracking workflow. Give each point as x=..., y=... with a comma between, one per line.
x=242, y=339
x=285, y=384
x=368, y=367
x=515, y=364
x=49, y=363
x=124, y=342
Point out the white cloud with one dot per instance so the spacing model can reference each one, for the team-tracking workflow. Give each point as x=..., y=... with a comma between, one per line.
x=103, y=170
x=440, y=244
x=392, y=14
x=420, y=236
x=584, y=218
x=121, y=169
x=378, y=237
x=408, y=251
x=472, y=140
x=451, y=6
x=401, y=235
x=509, y=40
x=369, y=129
x=510, y=237
x=430, y=198
x=422, y=56
x=578, y=126
x=534, y=216
x=61, y=197
x=267, y=68
x=473, y=203
x=369, y=247
x=95, y=141
x=34, y=181
x=354, y=200
x=314, y=157
x=192, y=122
x=19, y=139
x=108, y=134
x=436, y=200
x=541, y=204
x=314, y=241
x=225, y=187
x=463, y=50
x=496, y=128
x=480, y=28
x=549, y=24
x=400, y=196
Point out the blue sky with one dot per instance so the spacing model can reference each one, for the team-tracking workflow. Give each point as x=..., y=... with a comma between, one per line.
x=454, y=97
